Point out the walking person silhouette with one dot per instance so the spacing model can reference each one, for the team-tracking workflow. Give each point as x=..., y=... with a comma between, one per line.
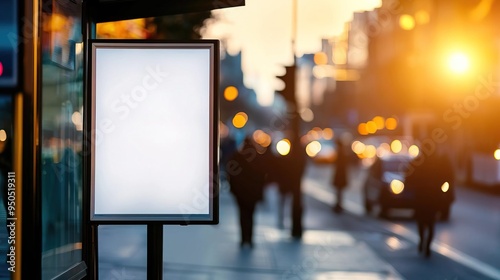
x=247, y=180
x=426, y=175
x=339, y=179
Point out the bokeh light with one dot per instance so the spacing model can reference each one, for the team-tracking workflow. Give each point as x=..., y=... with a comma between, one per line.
x=3, y=135
x=391, y=123
x=396, y=146
x=362, y=129
x=406, y=22
x=370, y=151
x=414, y=151
x=262, y=138
x=283, y=147
x=313, y=148
x=458, y=62
x=240, y=120
x=230, y=93
x=328, y=133
x=380, y=122
x=383, y=150
x=371, y=127
x=320, y=58
x=358, y=147
x=397, y=186
x=445, y=187
x=496, y=154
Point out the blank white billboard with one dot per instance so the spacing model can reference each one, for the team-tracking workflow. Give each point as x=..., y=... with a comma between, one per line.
x=154, y=131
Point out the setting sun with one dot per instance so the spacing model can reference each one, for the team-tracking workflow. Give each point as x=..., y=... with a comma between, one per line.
x=458, y=62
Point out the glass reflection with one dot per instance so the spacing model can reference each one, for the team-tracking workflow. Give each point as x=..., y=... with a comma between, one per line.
x=61, y=138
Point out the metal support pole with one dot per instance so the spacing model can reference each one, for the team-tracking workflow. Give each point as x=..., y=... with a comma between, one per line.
x=155, y=251
x=93, y=272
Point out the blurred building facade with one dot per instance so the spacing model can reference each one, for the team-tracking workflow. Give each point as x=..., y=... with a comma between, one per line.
x=430, y=63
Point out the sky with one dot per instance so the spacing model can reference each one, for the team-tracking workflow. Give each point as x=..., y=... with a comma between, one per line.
x=262, y=30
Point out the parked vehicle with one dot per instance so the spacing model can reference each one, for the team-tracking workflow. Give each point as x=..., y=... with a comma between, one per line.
x=385, y=187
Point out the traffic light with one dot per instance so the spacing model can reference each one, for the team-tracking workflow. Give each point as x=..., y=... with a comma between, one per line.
x=289, y=79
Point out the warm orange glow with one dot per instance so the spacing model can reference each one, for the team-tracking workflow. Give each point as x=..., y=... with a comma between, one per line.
x=339, y=55
x=323, y=71
x=391, y=123
x=223, y=130
x=328, y=133
x=380, y=122
x=481, y=10
x=230, y=93
x=265, y=49
x=358, y=147
x=313, y=134
x=346, y=75
x=240, y=120
x=458, y=62
x=283, y=147
x=371, y=127
x=383, y=150
x=3, y=135
x=370, y=151
x=313, y=148
x=320, y=58
x=362, y=129
x=445, y=187
x=413, y=150
x=56, y=23
x=496, y=154
x=422, y=17
x=406, y=22
x=262, y=138
x=397, y=186
x=396, y=146
x=125, y=29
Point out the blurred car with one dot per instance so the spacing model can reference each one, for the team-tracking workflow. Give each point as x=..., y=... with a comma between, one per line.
x=385, y=187
x=321, y=151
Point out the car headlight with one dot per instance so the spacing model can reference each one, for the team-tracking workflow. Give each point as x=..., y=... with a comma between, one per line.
x=445, y=187
x=397, y=186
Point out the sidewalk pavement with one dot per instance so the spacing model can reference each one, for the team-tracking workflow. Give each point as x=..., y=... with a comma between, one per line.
x=213, y=252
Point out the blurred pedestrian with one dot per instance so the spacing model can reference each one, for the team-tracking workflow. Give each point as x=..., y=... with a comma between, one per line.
x=294, y=166
x=286, y=171
x=227, y=149
x=247, y=180
x=340, y=176
x=426, y=175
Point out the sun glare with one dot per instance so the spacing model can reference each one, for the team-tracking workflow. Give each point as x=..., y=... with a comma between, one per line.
x=458, y=62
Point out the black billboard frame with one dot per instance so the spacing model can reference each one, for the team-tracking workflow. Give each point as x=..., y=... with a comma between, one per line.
x=182, y=219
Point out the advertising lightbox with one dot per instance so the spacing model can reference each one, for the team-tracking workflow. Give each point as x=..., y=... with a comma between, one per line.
x=154, y=137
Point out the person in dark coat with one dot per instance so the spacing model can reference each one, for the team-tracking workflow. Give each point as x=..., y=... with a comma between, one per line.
x=339, y=179
x=426, y=175
x=293, y=167
x=247, y=181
